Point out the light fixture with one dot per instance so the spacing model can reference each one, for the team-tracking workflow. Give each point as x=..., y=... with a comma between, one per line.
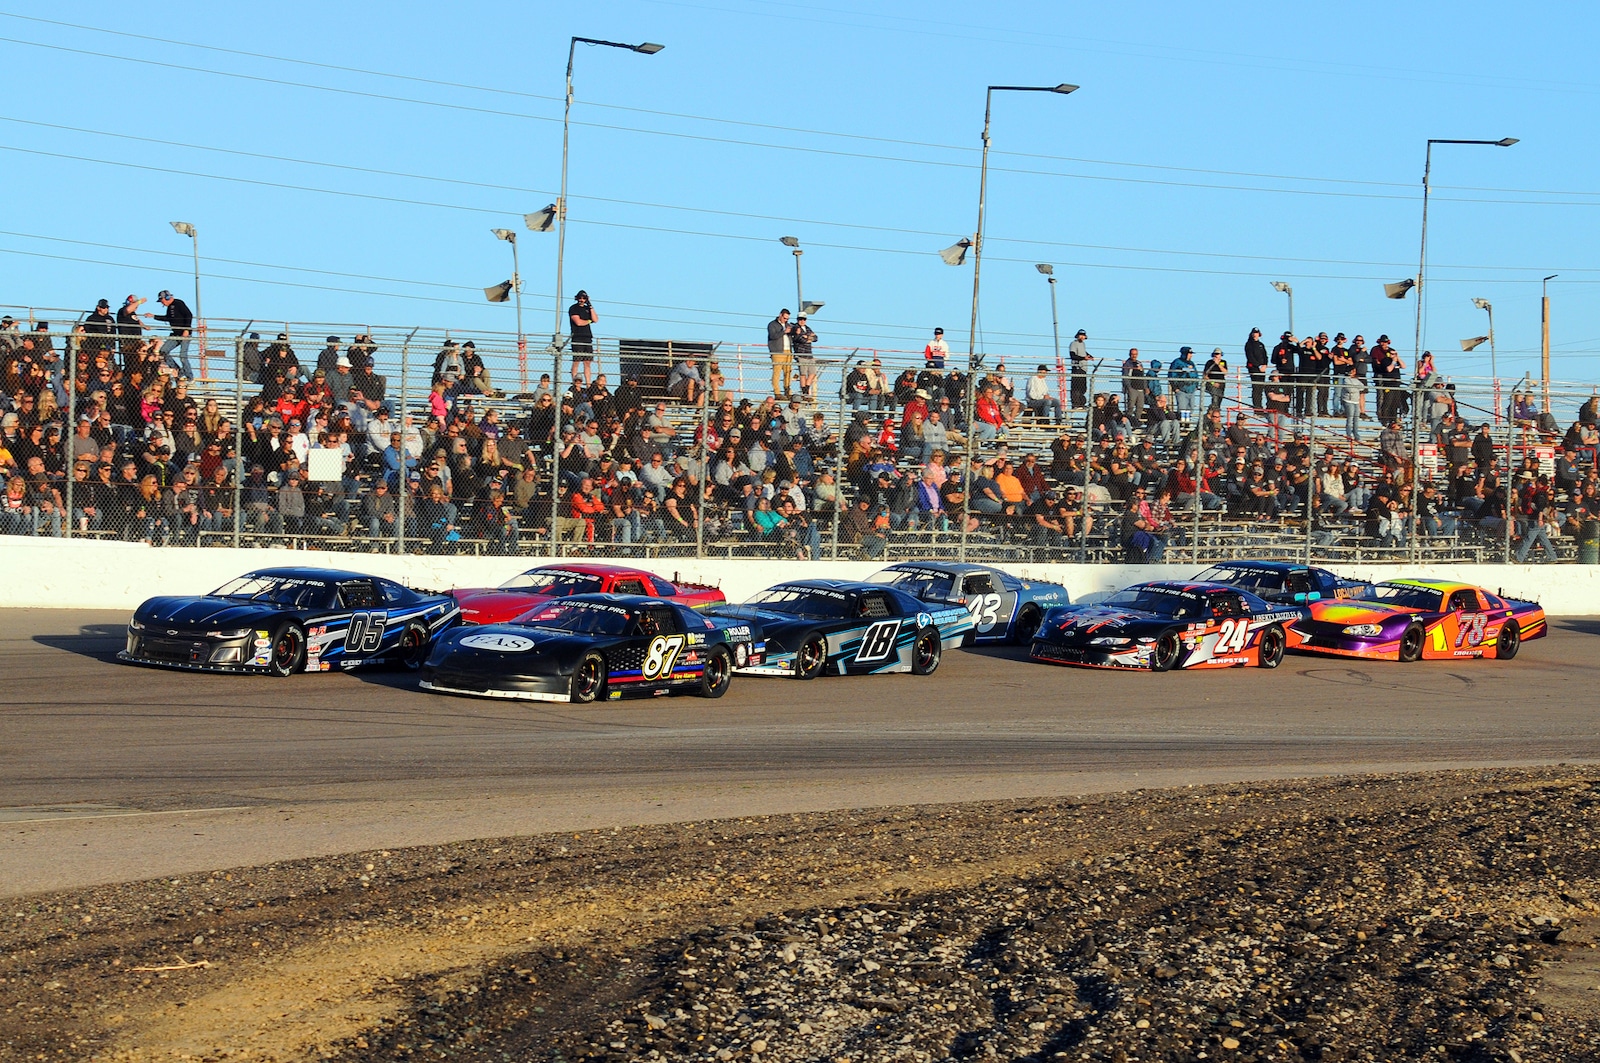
x=956, y=253
x=1474, y=343
x=498, y=293
x=789, y=241
x=1044, y=267
x=1481, y=304
x=1065, y=89
x=808, y=307
x=505, y=234
x=648, y=48
x=183, y=228
x=1505, y=142
x=542, y=221
x=1398, y=289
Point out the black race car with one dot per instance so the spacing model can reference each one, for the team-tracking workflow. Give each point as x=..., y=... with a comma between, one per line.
x=845, y=627
x=1283, y=581
x=286, y=620
x=1164, y=625
x=594, y=647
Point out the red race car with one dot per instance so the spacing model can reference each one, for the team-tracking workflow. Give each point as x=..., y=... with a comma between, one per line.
x=496, y=605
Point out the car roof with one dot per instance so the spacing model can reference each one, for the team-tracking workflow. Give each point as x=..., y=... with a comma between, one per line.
x=832, y=584
x=594, y=568
x=1261, y=566
x=329, y=575
x=634, y=601
x=1433, y=584
x=949, y=567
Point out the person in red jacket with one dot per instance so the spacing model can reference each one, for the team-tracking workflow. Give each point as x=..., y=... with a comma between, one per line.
x=988, y=421
x=586, y=506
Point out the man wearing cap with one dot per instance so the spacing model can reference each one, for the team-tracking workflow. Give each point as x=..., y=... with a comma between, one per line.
x=179, y=320
x=937, y=350
x=99, y=326
x=1256, y=359
x=130, y=328
x=582, y=316
x=1038, y=399
x=780, y=346
x=805, y=362
x=1183, y=380
x=1078, y=351
x=329, y=355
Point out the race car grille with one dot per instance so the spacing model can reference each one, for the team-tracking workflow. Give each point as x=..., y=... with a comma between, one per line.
x=174, y=650
x=459, y=681
x=1052, y=652
x=1316, y=640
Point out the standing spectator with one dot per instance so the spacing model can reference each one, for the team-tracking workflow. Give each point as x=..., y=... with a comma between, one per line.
x=449, y=366
x=937, y=350
x=1134, y=386
x=1256, y=360
x=1216, y=378
x=780, y=338
x=1078, y=351
x=1040, y=402
x=583, y=315
x=1183, y=381
x=1349, y=394
x=179, y=320
x=806, y=362
x=1285, y=360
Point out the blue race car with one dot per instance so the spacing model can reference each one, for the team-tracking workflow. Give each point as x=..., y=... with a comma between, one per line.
x=846, y=627
x=1003, y=607
x=1283, y=581
x=594, y=647
x=279, y=621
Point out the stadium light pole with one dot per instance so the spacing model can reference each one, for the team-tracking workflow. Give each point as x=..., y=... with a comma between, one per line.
x=800, y=304
x=1283, y=286
x=1049, y=272
x=1422, y=258
x=183, y=228
x=1494, y=371
x=1062, y=89
x=510, y=237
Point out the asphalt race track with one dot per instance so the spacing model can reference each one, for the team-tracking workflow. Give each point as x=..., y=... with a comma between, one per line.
x=110, y=772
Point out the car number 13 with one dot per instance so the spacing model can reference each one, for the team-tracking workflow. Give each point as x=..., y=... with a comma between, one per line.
x=662, y=655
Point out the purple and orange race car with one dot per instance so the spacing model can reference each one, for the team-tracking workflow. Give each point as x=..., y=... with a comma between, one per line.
x=1412, y=619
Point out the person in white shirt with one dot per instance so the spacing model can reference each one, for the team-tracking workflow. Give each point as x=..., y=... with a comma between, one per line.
x=936, y=351
x=1039, y=401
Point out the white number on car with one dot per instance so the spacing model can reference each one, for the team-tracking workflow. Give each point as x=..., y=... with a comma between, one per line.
x=878, y=642
x=663, y=654
x=985, y=610
x=1232, y=636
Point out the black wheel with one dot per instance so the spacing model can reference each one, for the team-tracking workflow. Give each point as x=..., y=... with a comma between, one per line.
x=1270, y=651
x=1510, y=640
x=1027, y=624
x=1411, y=644
x=1164, y=657
x=925, y=651
x=589, y=678
x=811, y=656
x=717, y=674
x=288, y=651
x=414, y=647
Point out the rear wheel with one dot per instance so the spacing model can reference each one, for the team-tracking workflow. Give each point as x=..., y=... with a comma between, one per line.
x=1270, y=652
x=1509, y=641
x=717, y=674
x=589, y=678
x=1411, y=644
x=811, y=656
x=925, y=651
x=414, y=647
x=288, y=651
x=1164, y=657
x=1027, y=624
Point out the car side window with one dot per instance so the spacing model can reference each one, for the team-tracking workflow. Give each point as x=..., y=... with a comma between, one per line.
x=1227, y=605
x=978, y=583
x=873, y=605
x=393, y=593
x=358, y=594
x=1463, y=599
x=628, y=586
x=664, y=620
x=1298, y=583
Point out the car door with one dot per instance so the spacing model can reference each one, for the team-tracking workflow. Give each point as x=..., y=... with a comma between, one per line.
x=664, y=658
x=1228, y=633
x=369, y=618
x=986, y=605
x=875, y=643
x=1465, y=626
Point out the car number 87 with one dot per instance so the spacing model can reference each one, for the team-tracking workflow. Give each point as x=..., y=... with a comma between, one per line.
x=662, y=655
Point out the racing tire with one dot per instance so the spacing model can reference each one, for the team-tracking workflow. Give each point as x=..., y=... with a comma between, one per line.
x=925, y=651
x=589, y=679
x=413, y=650
x=288, y=651
x=717, y=673
x=1411, y=644
x=1027, y=624
x=1269, y=654
x=811, y=656
x=1509, y=641
x=1164, y=655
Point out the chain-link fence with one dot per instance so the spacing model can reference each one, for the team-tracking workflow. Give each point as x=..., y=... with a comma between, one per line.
x=373, y=439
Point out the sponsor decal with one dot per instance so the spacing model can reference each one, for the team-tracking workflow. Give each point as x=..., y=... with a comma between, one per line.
x=497, y=640
x=324, y=666
x=695, y=640
x=923, y=620
x=741, y=654
x=691, y=657
x=740, y=632
x=614, y=695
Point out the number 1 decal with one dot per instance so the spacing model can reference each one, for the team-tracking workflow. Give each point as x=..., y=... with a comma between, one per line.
x=878, y=642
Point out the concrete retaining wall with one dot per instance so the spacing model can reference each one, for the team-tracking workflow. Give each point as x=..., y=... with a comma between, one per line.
x=90, y=574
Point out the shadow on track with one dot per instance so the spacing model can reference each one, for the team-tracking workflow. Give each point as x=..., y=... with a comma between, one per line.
x=100, y=642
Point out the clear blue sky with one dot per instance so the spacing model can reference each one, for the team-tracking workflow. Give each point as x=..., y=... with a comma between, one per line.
x=1212, y=149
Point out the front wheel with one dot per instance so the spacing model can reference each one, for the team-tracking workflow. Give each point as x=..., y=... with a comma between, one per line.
x=589, y=678
x=1270, y=652
x=811, y=656
x=1027, y=624
x=1164, y=657
x=288, y=651
x=1509, y=641
x=1411, y=644
x=925, y=651
x=717, y=673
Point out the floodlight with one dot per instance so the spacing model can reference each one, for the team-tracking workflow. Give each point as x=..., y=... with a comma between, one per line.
x=956, y=253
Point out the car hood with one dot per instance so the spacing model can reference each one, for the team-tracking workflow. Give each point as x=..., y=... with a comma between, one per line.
x=1094, y=621
x=496, y=601
x=207, y=612
x=511, y=640
x=1351, y=611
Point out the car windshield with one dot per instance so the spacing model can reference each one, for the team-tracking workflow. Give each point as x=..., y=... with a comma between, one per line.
x=1259, y=580
x=1403, y=595
x=555, y=582
x=804, y=601
x=279, y=590
x=591, y=618
x=1160, y=600
x=919, y=582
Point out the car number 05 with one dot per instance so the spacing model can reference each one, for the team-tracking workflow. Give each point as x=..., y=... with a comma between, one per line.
x=985, y=610
x=366, y=633
x=663, y=654
x=878, y=641
x=1232, y=636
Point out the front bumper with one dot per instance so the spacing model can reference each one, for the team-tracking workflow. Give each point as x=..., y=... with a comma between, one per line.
x=480, y=685
x=196, y=653
x=1310, y=637
x=1134, y=657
